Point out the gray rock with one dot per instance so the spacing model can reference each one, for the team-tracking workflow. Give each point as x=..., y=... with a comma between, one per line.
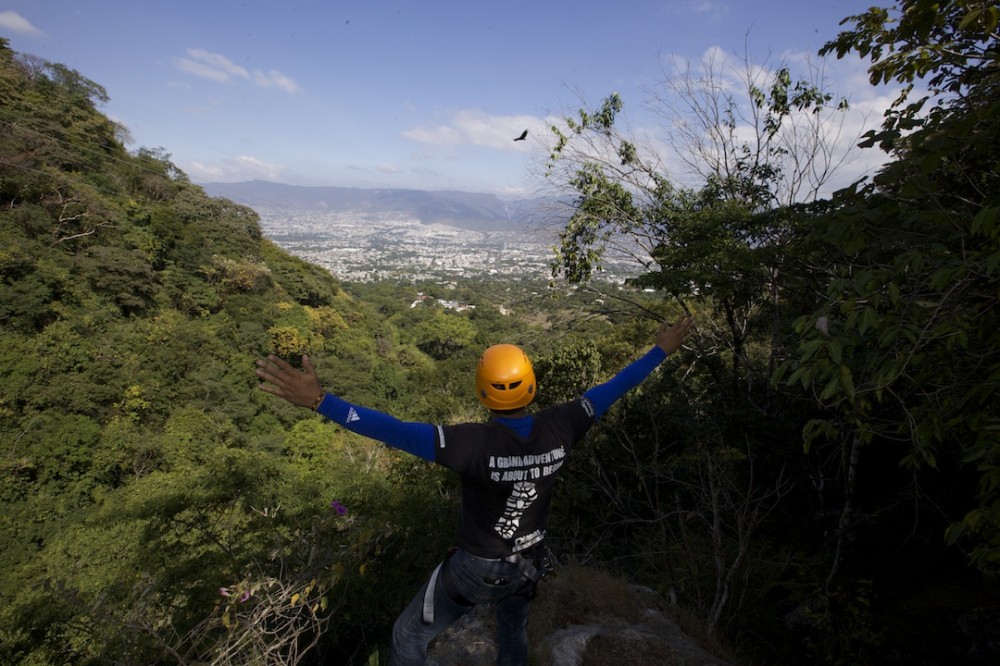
x=583, y=618
x=468, y=642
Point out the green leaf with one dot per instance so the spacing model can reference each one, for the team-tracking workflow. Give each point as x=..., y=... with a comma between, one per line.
x=813, y=429
x=847, y=382
x=831, y=388
x=953, y=533
x=810, y=348
x=985, y=222
x=869, y=319
x=796, y=375
x=971, y=18
x=837, y=351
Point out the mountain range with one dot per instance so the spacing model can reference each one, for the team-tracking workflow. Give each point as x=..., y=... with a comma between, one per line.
x=468, y=210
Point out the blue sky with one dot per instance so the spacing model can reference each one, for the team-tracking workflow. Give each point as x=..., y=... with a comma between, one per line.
x=388, y=93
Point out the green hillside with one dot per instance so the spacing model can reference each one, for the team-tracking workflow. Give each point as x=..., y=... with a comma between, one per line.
x=157, y=506
x=142, y=471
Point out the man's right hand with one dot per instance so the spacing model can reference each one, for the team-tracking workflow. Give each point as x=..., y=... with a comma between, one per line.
x=299, y=387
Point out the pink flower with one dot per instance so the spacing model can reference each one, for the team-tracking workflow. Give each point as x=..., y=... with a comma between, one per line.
x=338, y=507
x=244, y=596
x=224, y=591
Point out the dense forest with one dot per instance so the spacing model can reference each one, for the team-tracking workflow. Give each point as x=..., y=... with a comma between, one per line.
x=815, y=479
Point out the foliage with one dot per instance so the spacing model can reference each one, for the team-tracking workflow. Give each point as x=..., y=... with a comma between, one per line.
x=907, y=347
x=846, y=347
x=722, y=252
x=141, y=471
x=951, y=45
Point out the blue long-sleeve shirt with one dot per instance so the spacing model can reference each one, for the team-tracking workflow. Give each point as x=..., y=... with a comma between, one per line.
x=419, y=438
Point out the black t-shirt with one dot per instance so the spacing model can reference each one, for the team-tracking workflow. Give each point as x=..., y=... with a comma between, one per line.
x=507, y=480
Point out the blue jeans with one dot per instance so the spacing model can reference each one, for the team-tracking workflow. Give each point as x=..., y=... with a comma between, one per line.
x=476, y=581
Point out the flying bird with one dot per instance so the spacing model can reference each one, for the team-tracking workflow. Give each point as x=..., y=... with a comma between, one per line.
x=523, y=136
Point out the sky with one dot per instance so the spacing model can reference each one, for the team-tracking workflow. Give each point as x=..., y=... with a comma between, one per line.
x=397, y=94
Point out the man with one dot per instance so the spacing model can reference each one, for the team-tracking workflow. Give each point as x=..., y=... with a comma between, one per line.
x=507, y=469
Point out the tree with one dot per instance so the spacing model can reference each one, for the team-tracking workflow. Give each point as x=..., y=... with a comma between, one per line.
x=77, y=85
x=443, y=334
x=773, y=146
x=723, y=244
x=774, y=142
x=723, y=250
x=904, y=346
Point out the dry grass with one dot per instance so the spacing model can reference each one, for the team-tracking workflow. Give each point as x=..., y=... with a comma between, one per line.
x=580, y=596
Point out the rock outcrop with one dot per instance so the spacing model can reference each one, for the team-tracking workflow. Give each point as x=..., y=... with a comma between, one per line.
x=582, y=618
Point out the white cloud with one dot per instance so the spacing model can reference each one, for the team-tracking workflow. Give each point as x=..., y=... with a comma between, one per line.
x=274, y=78
x=17, y=23
x=235, y=169
x=218, y=62
x=203, y=70
x=441, y=136
x=217, y=67
x=477, y=128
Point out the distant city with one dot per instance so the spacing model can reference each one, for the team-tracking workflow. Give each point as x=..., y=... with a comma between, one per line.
x=365, y=247
x=364, y=235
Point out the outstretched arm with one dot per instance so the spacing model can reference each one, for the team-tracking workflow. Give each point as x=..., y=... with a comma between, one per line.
x=303, y=388
x=669, y=338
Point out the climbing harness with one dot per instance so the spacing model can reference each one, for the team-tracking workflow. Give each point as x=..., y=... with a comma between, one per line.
x=542, y=568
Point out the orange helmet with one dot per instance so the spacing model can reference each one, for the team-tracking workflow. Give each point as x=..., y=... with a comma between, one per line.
x=504, y=378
